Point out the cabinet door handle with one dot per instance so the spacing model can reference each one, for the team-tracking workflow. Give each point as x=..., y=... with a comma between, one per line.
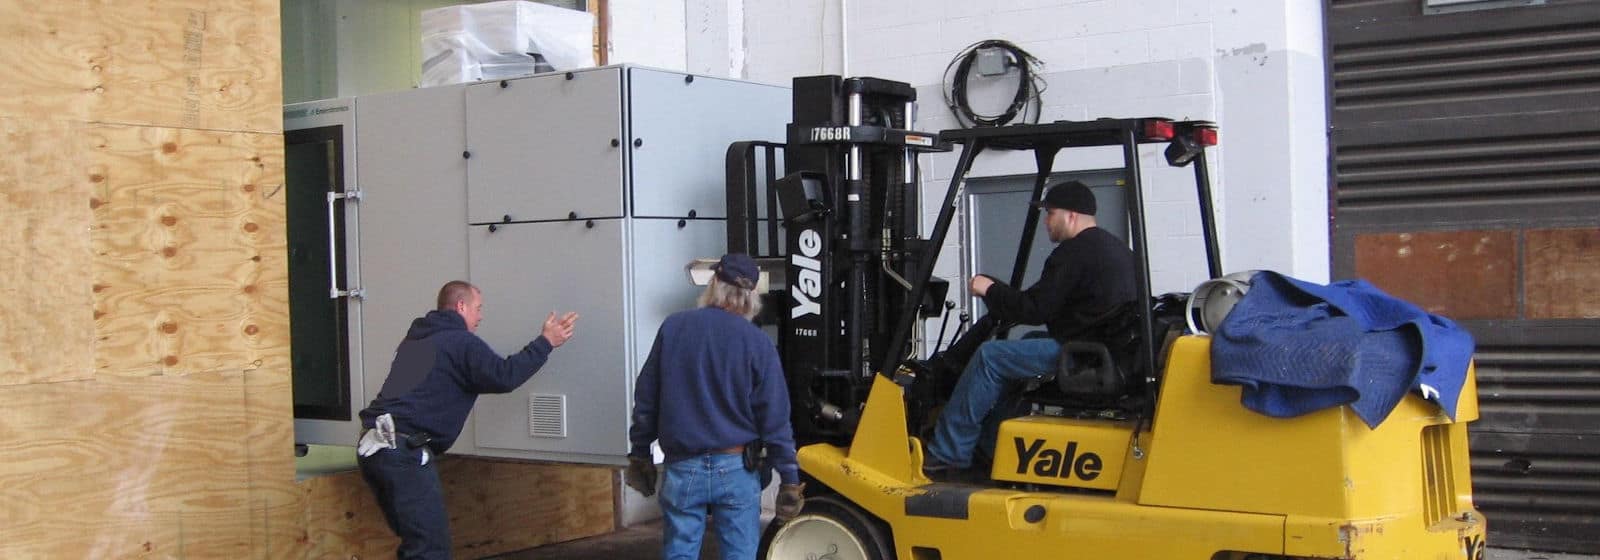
x=333, y=247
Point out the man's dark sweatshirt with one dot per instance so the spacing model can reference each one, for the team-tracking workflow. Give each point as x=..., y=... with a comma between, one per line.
x=1083, y=278
x=439, y=370
x=713, y=381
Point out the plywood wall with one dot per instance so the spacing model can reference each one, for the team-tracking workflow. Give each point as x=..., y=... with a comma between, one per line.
x=145, y=339
x=144, y=344
x=495, y=507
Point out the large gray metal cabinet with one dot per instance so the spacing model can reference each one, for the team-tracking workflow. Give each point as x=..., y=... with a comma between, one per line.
x=412, y=206
x=403, y=233
x=319, y=151
x=585, y=191
x=589, y=191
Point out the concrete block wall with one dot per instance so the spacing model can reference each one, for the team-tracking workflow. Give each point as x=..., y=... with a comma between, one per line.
x=650, y=33
x=1254, y=66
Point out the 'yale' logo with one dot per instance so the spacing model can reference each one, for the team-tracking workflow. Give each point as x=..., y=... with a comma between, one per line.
x=808, y=283
x=1059, y=464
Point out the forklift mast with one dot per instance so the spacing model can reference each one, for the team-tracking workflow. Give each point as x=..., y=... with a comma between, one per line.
x=846, y=209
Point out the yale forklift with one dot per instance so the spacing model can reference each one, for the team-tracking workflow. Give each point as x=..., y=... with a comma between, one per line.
x=1129, y=453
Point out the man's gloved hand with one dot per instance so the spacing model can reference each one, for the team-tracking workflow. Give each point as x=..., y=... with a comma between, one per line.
x=641, y=475
x=791, y=497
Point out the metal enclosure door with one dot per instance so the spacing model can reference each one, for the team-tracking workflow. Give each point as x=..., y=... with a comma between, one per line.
x=996, y=207
x=544, y=147
x=414, y=206
x=1464, y=159
x=661, y=286
x=681, y=126
x=320, y=148
x=581, y=394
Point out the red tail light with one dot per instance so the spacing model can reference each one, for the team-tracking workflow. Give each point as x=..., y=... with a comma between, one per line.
x=1205, y=136
x=1158, y=130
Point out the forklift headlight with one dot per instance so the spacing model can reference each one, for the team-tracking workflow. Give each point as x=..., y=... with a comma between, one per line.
x=1182, y=150
x=1191, y=143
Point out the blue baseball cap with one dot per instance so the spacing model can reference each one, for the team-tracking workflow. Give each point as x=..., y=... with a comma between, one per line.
x=737, y=269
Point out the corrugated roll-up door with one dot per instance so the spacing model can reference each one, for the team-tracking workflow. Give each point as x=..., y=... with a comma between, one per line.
x=1465, y=163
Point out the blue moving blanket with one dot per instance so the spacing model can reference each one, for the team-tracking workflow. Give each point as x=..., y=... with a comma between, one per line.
x=1298, y=347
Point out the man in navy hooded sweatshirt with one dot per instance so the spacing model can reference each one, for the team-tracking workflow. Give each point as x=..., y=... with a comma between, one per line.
x=439, y=370
x=712, y=386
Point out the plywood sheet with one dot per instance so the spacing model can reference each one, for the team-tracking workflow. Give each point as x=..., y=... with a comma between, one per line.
x=46, y=324
x=1458, y=274
x=277, y=504
x=342, y=518
x=1563, y=274
x=153, y=464
x=504, y=506
x=54, y=62
x=279, y=532
x=174, y=63
x=495, y=507
x=189, y=246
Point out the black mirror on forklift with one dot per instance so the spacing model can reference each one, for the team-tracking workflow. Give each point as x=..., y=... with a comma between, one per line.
x=800, y=196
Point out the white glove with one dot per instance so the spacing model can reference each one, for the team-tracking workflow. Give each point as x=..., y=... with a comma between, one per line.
x=380, y=437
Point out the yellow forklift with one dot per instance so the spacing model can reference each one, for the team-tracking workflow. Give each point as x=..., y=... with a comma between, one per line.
x=1155, y=462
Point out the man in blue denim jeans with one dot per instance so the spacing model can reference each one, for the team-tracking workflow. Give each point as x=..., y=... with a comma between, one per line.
x=1088, y=273
x=712, y=386
x=439, y=370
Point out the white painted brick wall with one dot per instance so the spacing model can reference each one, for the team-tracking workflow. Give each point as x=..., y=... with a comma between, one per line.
x=1255, y=66
x=650, y=33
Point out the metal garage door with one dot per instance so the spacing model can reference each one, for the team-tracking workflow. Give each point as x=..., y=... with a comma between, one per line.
x=1465, y=140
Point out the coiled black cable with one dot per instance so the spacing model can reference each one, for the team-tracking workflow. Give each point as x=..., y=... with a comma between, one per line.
x=1029, y=85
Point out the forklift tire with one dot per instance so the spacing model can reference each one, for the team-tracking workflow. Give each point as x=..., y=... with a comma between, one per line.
x=828, y=527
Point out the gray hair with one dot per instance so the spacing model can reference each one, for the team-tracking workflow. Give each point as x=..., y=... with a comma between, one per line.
x=731, y=298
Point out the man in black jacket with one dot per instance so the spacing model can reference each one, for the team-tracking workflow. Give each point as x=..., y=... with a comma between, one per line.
x=439, y=370
x=1089, y=273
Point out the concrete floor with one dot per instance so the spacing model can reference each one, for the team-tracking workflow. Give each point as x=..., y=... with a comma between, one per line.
x=639, y=542
x=643, y=542
x=1504, y=554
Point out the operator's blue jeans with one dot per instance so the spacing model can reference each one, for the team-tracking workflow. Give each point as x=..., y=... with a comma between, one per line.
x=412, y=500
x=717, y=484
x=999, y=367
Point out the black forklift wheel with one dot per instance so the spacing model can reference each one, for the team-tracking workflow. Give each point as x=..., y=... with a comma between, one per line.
x=828, y=527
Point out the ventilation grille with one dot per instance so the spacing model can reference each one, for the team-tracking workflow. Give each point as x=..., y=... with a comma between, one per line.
x=1482, y=170
x=1438, y=474
x=1466, y=66
x=547, y=415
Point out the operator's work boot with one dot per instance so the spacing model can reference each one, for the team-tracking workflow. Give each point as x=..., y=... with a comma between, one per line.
x=939, y=471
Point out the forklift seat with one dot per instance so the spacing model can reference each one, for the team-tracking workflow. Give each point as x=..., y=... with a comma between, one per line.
x=1102, y=369
x=1087, y=369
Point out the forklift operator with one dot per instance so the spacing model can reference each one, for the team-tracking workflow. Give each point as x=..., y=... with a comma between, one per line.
x=1088, y=273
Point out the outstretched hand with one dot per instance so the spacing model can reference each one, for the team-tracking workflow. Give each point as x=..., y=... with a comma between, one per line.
x=558, y=330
